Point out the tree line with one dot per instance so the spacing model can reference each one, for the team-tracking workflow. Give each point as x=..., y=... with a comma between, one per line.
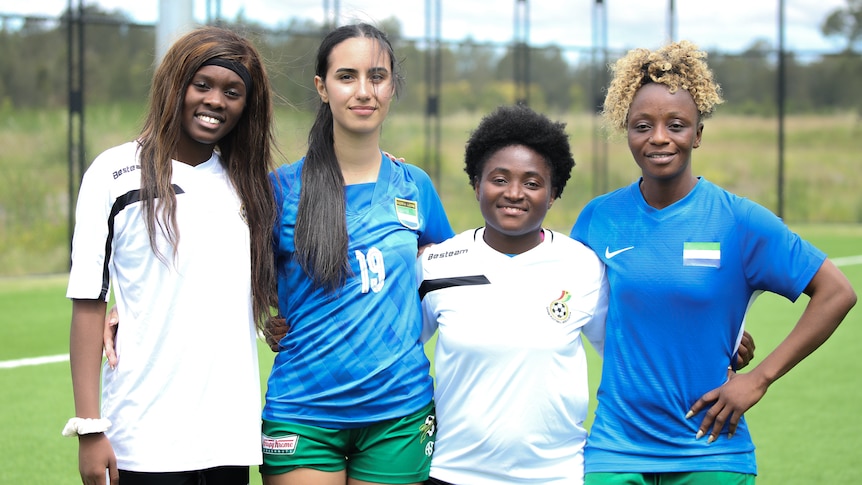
x=473, y=76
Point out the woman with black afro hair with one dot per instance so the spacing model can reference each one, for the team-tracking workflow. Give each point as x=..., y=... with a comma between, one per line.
x=509, y=302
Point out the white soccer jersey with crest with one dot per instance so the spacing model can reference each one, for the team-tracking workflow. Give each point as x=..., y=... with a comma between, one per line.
x=185, y=394
x=510, y=366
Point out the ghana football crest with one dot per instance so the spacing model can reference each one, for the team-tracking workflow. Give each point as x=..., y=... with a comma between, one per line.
x=558, y=309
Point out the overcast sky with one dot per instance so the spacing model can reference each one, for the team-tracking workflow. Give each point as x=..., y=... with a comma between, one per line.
x=727, y=25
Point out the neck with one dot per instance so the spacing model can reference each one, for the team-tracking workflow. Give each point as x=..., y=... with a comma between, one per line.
x=193, y=154
x=358, y=157
x=513, y=244
x=662, y=193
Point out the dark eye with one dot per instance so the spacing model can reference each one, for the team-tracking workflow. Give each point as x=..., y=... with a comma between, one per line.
x=233, y=93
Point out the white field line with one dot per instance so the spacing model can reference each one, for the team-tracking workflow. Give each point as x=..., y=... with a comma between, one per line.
x=847, y=260
x=50, y=359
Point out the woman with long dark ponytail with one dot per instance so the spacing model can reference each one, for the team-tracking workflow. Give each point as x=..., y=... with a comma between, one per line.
x=349, y=399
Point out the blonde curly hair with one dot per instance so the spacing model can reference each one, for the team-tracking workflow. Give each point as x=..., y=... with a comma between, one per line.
x=679, y=65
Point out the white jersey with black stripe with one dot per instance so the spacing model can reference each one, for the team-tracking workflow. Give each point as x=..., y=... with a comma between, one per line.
x=187, y=341
x=510, y=366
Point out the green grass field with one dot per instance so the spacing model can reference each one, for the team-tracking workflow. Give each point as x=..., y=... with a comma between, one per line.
x=807, y=428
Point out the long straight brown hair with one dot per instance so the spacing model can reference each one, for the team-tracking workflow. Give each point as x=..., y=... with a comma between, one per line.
x=246, y=151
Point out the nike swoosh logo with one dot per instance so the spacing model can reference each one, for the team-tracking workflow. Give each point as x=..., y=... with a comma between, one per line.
x=609, y=254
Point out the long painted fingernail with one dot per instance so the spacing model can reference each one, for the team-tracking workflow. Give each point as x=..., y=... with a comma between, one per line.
x=710, y=439
x=689, y=414
x=699, y=435
x=729, y=435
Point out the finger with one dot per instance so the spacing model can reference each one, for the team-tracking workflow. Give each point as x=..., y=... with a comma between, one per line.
x=423, y=248
x=702, y=403
x=112, y=323
x=733, y=423
x=392, y=157
x=273, y=331
x=718, y=425
x=273, y=344
x=113, y=472
x=108, y=345
x=748, y=340
x=744, y=354
x=707, y=424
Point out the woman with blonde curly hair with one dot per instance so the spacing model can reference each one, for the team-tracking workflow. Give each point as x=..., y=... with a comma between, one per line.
x=685, y=260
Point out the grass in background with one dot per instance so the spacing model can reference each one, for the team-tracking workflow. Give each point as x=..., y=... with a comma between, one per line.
x=738, y=153
x=806, y=428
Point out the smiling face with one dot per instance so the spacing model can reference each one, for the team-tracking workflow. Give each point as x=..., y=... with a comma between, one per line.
x=514, y=194
x=358, y=86
x=214, y=101
x=663, y=128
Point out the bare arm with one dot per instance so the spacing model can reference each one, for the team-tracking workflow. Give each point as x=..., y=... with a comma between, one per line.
x=831, y=298
x=95, y=454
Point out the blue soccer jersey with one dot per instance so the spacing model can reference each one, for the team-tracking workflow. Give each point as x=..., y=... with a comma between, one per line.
x=681, y=281
x=354, y=357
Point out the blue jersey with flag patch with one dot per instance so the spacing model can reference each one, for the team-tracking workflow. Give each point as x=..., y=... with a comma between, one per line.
x=681, y=281
x=354, y=357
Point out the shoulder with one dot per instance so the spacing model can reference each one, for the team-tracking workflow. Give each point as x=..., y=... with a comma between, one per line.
x=289, y=170
x=457, y=243
x=287, y=179
x=568, y=249
x=620, y=195
x=744, y=210
x=453, y=250
x=117, y=155
x=114, y=162
x=614, y=205
x=411, y=172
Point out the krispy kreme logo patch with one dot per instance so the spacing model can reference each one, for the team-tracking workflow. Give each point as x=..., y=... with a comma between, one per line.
x=286, y=445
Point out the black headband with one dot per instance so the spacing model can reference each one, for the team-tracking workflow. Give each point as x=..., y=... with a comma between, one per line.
x=234, y=66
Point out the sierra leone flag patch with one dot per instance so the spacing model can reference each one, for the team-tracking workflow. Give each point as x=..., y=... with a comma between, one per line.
x=408, y=213
x=701, y=254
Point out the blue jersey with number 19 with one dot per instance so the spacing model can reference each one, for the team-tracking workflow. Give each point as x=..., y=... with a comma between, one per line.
x=354, y=357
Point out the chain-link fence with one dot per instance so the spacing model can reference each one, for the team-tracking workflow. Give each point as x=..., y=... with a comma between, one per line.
x=740, y=149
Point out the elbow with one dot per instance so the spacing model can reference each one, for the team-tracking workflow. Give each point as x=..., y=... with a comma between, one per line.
x=846, y=296
x=851, y=298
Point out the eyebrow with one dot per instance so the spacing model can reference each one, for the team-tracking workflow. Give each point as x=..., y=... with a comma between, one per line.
x=529, y=173
x=651, y=116
x=350, y=70
x=211, y=80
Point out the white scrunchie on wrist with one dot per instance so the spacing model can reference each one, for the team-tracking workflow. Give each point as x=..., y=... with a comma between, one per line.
x=79, y=426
